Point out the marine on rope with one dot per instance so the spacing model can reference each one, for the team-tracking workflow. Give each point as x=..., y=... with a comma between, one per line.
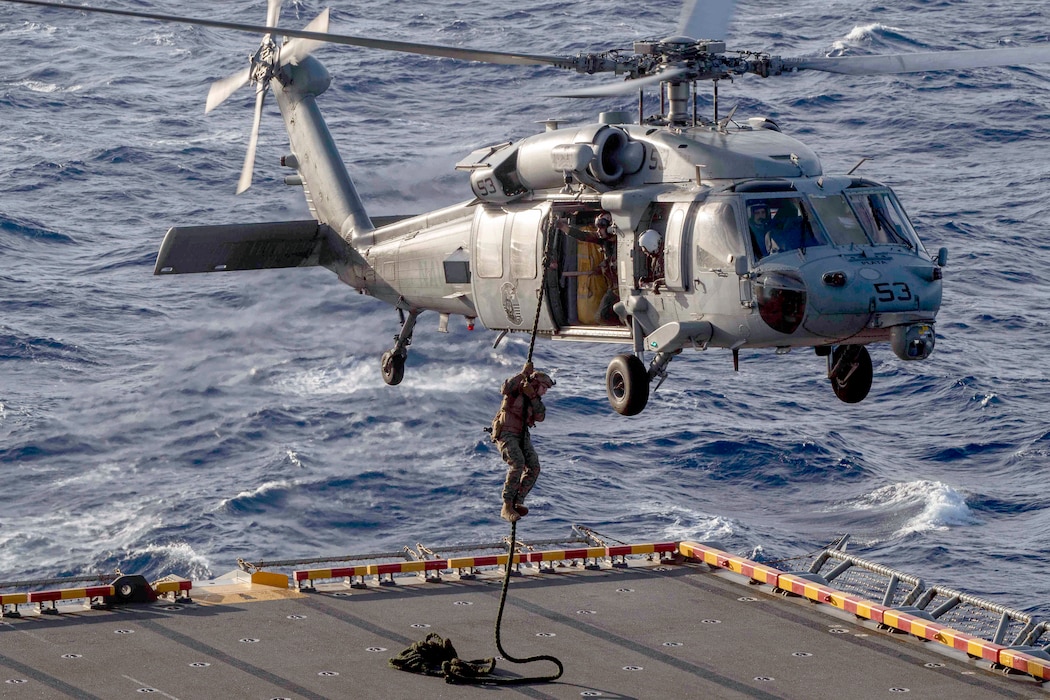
x=522, y=408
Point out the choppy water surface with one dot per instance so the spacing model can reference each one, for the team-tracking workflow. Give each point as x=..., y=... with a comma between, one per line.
x=176, y=424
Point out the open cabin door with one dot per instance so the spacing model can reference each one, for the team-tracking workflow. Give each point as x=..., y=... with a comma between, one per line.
x=507, y=249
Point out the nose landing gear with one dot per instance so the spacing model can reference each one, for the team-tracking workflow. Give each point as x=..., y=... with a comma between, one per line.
x=850, y=372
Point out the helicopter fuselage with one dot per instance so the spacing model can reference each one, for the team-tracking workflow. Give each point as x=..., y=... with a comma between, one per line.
x=483, y=259
x=718, y=235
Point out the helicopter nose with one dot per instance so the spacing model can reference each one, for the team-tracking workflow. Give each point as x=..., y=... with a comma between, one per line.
x=781, y=297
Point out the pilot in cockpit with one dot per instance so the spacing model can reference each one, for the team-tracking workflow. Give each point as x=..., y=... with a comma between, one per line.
x=785, y=232
x=759, y=223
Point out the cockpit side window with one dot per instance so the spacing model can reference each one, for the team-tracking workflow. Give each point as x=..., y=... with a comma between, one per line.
x=779, y=224
x=883, y=219
x=717, y=236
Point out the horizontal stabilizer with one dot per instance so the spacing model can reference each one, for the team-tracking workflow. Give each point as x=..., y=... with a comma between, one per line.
x=240, y=247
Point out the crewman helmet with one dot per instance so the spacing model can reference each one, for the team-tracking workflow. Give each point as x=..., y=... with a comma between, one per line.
x=650, y=241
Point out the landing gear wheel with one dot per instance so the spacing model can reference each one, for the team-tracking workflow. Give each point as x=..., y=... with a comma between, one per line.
x=849, y=370
x=627, y=384
x=393, y=367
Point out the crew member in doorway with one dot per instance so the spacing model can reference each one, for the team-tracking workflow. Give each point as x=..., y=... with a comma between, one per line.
x=522, y=408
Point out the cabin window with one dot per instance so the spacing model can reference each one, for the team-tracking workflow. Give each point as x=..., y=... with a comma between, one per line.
x=523, y=239
x=717, y=236
x=839, y=220
x=674, y=244
x=488, y=248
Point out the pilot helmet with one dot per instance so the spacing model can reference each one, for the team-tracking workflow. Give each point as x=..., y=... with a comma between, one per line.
x=650, y=241
x=603, y=220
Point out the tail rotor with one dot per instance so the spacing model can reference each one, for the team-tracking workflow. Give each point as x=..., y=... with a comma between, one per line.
x=265, y=64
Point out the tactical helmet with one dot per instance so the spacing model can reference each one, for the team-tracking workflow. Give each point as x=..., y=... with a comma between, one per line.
x=542, y=379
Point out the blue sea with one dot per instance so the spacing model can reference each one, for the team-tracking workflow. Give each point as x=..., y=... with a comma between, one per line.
x=177, y=424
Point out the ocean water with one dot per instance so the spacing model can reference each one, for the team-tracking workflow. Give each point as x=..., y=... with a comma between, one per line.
x=176, y=424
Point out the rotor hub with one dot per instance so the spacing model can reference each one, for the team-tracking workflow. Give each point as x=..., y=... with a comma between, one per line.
x=264, y=60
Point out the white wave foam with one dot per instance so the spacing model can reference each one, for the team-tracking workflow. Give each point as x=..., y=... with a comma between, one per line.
x=689, y=524
x=260, y=490
x=365, y=376
x=38, y=86
x=859, y=35
x=928, y=505
x=866, y=32
x=35, y=27
x=64, y=537
x=190, y=563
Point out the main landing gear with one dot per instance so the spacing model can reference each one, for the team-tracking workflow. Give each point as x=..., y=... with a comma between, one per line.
x=850, y=372
x=627, y=381
x=393, y=360
x=627, y=384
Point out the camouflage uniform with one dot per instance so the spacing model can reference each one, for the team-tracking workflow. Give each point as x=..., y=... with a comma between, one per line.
x=510, y=430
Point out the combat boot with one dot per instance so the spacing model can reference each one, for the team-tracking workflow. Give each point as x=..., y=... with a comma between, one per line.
x=509, y=513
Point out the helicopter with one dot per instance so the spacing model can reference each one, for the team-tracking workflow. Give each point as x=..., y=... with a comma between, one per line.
x=660, y=232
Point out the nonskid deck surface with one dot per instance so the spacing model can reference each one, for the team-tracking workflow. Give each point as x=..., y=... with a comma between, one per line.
x=652, y=630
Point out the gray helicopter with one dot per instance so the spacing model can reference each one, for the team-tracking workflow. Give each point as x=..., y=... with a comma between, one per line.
x=661, y=232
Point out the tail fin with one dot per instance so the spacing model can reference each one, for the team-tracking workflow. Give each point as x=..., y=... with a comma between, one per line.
x=331, y=193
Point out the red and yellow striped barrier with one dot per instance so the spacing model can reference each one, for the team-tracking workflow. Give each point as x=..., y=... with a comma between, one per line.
x=53, y=596
x=1025, y=663
x=897, y=619
x=89, y=593
x=716, y=557
x=163, y=588
x=14, y=598
x=70, y=594
x=341, y=572
x=462, y=563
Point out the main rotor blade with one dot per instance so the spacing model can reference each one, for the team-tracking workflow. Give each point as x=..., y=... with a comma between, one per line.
x=221, y=89
x=298, y=49
x=499, y=57
x=626, y=86
x=253, y=142
x=922, y=62
x=705, y=19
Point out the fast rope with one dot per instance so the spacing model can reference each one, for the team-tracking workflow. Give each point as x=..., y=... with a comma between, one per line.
x=543, y=284
x=436, y=656
x=499, y=620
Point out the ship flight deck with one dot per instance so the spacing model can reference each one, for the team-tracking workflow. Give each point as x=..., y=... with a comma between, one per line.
x=664, y=620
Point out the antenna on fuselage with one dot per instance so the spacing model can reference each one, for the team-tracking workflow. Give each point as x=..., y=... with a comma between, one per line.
x=859, y=163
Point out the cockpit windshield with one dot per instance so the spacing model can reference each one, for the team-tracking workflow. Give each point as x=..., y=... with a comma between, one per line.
x=868, y=216
x=883, y=219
